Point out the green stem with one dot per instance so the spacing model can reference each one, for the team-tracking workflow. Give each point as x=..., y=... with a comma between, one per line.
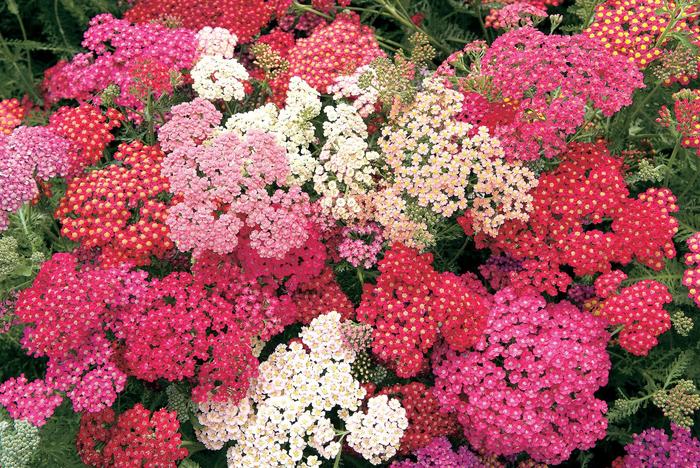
x=360, y=276
x=58, y=22
x=29, y=86
x=193, y=446
x=641, y=105
x=689, y=186
x=336, y=463
x=310, y=9
x=672, y=160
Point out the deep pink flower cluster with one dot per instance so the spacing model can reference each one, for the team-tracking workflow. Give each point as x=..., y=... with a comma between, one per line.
x=361, y=244
x=320, y=295
x=224, y=188
x=120, y=53
x=67, y=311
x=638, y=308
x=333, y=49
x=412, y=304
x=530, y=381
x=425, y=421
x=33, y=401
x=654, y=447
x=439, y=454
x=138, y=437
x=179, y=330
x=569, y=224
x=548, y=79
x=89, y=129
x=28, y=154
x=691, y=276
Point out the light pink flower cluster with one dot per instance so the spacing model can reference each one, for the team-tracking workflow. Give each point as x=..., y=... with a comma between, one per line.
x=28, y=154
x=123, y=54
x=515, y=15
x=529, y=384
x=361, y=244
x=223, y=184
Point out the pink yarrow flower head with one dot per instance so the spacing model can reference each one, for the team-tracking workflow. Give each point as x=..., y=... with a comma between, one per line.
x=529, y=384
x=654, y=447
x=34, y=401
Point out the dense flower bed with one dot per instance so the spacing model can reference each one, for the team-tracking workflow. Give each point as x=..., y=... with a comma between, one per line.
x=272, y=234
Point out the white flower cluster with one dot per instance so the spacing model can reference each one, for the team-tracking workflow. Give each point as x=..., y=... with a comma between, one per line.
x=216, y=77
x=216, y=41
x=221, y=422
x=346, y=168
x=377, y=434
x=347, y=87
x=292, y=126
x=289, y=407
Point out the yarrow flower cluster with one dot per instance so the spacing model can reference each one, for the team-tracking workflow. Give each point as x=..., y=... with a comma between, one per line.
x=223, y=188
x=28, y=154
x=691, y=276
x=67, y=312
x=685, y=118
x=244, y=18
x=121, y=54
x=178, y=330
x=425, y=420
x=134, y=438
x=11, y=114
x=412, y=305
x=570, y=204
x=361, y=245
x=434, y=161
x=216, y=77
x=439, y=454
x=543, y=82
x=332, y=50
x=654, y=447
x=287, y=413
x=99, y=207
x=531, y=355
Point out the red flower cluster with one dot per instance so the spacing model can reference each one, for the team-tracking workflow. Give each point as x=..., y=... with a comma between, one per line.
x=570, y=222
x=89, y=129
x=67, y=310
x=529, y=384
x=11, y=115
x=334, y=49
x=425, y=421
x=259, y=311
x=138, y=437
x=685, y=118
x=640, y=310
x=319, y=296
x=632, y=28
x=412, y=304
x=244, y=18
x=118, y=208
x=180, y=330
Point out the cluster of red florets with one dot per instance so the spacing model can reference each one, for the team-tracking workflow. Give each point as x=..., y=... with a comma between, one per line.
x=425, y=421
x=634, y=28
x=11, y=114
x=138, y=437
x=179, y=330
x=412, y=304
x=320, y=295
x=89, y=129
x=244, y=18
x=685, y=118
x=529, y=383
x=568, y=226
x=117, y=209
x=333, y=49
x=639, y=309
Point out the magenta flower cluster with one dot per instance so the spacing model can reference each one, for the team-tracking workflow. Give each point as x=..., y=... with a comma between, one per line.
x=529, y=384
